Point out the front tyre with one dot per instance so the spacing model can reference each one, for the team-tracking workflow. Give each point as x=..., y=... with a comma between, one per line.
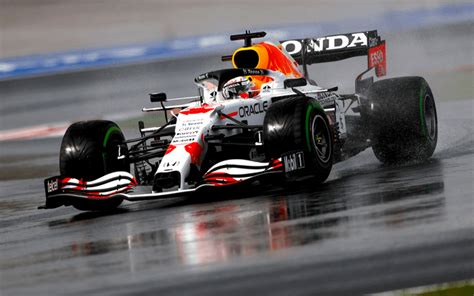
x=89, y=150
x=300, y=124
x=403, y=120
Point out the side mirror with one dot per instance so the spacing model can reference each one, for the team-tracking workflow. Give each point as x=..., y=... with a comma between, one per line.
x=295, y=82
x=157, y=97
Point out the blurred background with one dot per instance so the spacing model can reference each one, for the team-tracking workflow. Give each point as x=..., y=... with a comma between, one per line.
x=42, y=26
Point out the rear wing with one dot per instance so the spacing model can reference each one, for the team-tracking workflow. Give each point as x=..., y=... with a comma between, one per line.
x=339, y=47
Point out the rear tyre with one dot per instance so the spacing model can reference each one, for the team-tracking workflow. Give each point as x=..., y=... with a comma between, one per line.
x=300, y=124
x=402, y=119
x=89, y=151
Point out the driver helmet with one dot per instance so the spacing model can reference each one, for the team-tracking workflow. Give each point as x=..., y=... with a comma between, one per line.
x=239, y=86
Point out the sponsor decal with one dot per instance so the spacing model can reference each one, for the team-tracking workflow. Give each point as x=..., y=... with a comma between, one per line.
x=326, y=43
x=266, y=88
x=253, y=72
x=293, y=161
x=52, y=185
x=255, y=155
x=171, y=164
x=378, y=60
x=188, y=131
x=254, y=109
x=293, y=46
x=327, y=97
x=373, y=41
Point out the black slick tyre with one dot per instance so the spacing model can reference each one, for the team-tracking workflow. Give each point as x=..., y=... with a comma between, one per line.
x=300, y=124
x=402, y=119
x=89, y=151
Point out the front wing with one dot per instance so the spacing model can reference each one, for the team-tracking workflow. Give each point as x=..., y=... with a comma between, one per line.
x=120, y=185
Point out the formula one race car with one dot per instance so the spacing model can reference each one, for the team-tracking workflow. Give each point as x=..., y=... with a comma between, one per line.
x=263, y=120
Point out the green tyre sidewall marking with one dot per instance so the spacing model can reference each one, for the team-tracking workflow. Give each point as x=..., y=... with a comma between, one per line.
x=307, y=127
x=110, y=131
x=313, y=104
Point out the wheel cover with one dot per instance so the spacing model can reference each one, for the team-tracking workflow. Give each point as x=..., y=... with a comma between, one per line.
x=321, y=138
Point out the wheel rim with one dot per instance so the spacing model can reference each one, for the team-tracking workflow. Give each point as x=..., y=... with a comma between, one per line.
x=321, y=138
x=430, y=118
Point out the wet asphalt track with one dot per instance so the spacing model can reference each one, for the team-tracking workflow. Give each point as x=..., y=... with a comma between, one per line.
x=370, y=228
